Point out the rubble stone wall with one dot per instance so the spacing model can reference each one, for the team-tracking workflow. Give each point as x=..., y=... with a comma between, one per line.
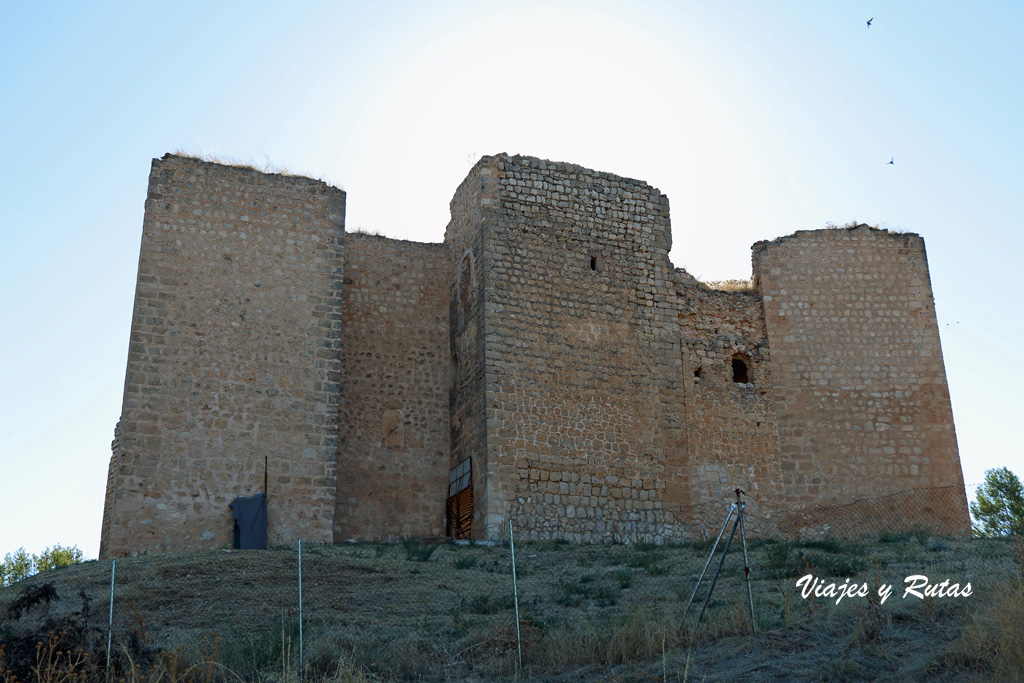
x=585, y=426
x=732, y=432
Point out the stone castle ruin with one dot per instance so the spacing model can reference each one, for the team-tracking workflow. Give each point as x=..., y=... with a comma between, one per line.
x=546, y=365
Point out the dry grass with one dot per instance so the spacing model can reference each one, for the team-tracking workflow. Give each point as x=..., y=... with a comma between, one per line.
x=371, y=232
x=393, y=612
x=993, y=639
x=267, y=167
x=855, y=225
x=214, y=158
x=738, y=286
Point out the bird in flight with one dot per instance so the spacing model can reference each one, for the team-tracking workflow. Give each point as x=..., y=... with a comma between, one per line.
x=891, y=161
x=869, y=21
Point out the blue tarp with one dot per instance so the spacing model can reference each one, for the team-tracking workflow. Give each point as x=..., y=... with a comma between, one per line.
x=250, y=522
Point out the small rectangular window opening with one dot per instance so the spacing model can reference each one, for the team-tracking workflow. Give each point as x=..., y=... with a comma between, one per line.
x=739, y=371
x=593, y=263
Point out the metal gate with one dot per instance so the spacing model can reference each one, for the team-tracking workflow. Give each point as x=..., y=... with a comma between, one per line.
x=459, y=506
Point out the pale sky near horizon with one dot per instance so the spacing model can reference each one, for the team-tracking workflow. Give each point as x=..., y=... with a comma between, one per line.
x=756, y=119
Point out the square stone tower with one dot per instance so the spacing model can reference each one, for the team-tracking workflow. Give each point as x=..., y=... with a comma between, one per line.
x=232, y=383
x=565, y=341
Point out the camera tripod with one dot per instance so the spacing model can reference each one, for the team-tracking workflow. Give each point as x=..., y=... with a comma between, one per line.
x=739, y=508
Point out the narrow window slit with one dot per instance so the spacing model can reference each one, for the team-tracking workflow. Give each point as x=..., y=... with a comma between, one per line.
x=739, y=371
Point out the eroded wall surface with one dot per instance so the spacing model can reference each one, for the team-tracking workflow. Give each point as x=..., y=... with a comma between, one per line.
x=233, y=360
x=393, y=434
x=863, y=404
x=732, y=433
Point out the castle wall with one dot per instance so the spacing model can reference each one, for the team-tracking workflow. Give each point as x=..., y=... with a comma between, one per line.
x=732, y=434
x=584, y=400
x=112, y=490
x=469, y=277
x=598, y=393
x=393, y=435
x=862, y=398
x=233, y=359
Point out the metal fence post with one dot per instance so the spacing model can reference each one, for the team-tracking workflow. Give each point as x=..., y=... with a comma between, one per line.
x=110, y=619
x=515, y=592
x=300, y=609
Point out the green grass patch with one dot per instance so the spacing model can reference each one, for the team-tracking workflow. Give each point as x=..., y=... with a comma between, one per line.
x=489, y=604
x=918, y=533
x=829, y=545
x=250, y=653
x=418, y=551
x=465, y=562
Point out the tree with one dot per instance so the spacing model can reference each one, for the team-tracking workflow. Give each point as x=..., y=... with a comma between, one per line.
x=17, y=566
x=58, y=556
x=999, y=510
x=20, y=565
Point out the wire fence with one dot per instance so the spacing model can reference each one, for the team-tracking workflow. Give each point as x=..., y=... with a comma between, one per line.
x=939, y=510
x=446, y=611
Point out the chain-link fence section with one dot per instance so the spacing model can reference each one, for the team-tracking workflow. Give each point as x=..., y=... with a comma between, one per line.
x=939, y=510
x=419, y=610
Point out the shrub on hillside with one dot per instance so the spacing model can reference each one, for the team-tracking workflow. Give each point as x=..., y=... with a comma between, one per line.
x=20, y=565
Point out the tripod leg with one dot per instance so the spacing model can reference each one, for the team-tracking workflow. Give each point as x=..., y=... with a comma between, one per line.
x=725, y=551
x=711, y=554
x=746, y=571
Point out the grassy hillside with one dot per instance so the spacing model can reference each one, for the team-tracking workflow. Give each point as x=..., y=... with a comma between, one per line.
x=444, y=612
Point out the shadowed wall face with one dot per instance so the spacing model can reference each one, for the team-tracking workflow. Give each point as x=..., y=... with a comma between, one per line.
x=233, y=359
x=393, y=421
x=473, y=211
x=861, y=390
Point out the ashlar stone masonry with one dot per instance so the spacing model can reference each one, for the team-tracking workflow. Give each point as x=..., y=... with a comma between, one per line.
x=547, y=351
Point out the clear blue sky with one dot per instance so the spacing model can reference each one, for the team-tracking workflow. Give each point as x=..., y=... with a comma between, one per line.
x=756, y=119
